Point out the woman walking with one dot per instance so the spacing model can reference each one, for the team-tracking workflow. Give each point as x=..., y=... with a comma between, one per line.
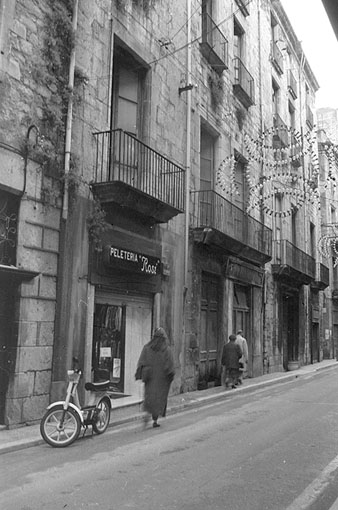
x=155, y=368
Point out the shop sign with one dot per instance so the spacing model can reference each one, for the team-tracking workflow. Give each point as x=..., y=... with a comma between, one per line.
x=117, y=257
x=244, y=273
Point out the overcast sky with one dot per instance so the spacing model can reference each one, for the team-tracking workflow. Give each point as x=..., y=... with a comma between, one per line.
x=313, y=29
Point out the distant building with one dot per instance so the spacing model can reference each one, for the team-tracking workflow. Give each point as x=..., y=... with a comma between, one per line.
x=327, y=119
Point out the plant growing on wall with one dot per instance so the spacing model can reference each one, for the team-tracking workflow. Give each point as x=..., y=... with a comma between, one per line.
x=216, y=86
x=96, y=224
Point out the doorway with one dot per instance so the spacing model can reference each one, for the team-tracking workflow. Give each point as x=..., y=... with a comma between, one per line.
x=209, y=371
x=8, y=343
x=122, y=326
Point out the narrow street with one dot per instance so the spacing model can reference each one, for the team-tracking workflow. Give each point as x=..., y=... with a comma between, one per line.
x=257, y=451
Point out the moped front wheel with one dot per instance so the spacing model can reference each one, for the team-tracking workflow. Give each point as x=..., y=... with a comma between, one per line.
x=60, y=427
x=102, y=416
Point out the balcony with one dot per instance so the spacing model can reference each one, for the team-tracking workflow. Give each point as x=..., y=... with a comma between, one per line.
x=322, y=277
x=281, y=133
x=293, y=265
x=214, y=46
x=131, y=174
x=243, y=7
x=277, y=58
x=222, y=225
x=244, y=86
x=292, y=85
x=309, y=117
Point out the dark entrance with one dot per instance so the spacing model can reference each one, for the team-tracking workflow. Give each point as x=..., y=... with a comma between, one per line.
x=290, y=329
x=209, y=341
x=8, y=344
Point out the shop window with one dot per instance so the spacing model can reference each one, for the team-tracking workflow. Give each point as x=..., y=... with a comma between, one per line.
x=108, y=344
x=9, y=206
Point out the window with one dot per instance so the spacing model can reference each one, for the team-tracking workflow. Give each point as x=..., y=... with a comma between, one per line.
x=128, y=89
x=206, y=161
x=312, y=240
x=239, y=41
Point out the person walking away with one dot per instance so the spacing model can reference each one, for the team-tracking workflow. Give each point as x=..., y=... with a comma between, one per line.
x=231, y=355
x=155, y=368
x=241, y=341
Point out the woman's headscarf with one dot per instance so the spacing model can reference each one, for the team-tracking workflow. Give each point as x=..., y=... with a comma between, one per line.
x=159, y=341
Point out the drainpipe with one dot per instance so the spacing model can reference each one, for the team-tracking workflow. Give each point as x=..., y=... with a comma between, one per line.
x=187, y=189
x=68, y=139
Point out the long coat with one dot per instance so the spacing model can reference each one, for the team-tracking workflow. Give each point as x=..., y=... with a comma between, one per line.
x=231, y=355
x=156, y=369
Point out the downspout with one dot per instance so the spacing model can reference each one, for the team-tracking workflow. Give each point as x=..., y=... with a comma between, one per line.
x=69, y=120
x=187, y=191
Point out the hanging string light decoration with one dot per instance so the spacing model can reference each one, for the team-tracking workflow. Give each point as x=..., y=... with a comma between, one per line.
x=225, y=176
x=281, y=175
x=328, y=243
x=331, y=152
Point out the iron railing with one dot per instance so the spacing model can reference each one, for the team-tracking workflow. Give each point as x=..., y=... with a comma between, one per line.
x=122, y=157
x=287, y=254
x=213, y=37
x=292, y=84
x=212, y=210
x=281, y=129
x=277, y=57
x=244, y=6
x=244, y=80
x=323, y=274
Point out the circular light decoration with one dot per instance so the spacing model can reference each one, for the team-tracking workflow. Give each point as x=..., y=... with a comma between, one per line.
x=328, y=245
x=281, y=175
x=225, y=176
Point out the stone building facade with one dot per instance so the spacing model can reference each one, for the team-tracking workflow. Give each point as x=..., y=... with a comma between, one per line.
x=157, y=168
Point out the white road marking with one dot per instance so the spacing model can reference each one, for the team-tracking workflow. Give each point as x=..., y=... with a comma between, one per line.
x=316, y=488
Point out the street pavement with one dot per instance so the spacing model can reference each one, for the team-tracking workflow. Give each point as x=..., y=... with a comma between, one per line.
x=24, y=437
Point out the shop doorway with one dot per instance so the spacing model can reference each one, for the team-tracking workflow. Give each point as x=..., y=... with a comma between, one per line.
x=241, y=317
x=315, y=343
x=8, y=343
x=290, y=329
x=122, y=326
x=209, y=370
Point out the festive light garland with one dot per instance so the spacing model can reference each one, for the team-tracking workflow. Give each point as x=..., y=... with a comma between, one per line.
x=281, y=179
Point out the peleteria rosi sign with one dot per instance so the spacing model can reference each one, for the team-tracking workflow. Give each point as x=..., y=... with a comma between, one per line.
x=117, y=257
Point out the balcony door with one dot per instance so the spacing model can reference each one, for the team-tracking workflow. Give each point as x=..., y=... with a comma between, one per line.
x=128, y=77
x=206, y=177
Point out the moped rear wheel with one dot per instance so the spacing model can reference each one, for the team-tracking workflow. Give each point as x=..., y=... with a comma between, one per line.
x=102, y=419
x=60, y=432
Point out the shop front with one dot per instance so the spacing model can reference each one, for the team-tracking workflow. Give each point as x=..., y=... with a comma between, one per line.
x=126, y=279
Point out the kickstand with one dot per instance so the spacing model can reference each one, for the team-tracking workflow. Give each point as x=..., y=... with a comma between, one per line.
x=85, y=430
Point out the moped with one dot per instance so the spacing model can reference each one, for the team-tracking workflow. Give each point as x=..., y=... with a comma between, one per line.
x=63, y=420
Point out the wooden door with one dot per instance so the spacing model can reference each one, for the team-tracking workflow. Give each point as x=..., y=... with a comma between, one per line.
x=209, y=340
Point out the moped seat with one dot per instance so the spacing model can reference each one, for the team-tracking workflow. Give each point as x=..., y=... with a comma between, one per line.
x=97, y=386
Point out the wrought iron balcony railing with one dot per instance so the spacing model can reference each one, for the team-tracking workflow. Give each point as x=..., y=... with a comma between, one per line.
x=277, y=57
x=292, y=85
x=323, y=275
x=243, y=6
x=281, y=132
x=212, y=211
x=244, y=85
x=289, y=256
x=122, y=157
x=214, y=45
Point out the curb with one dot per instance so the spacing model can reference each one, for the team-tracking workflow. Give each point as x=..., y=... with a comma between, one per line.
x=22, y=444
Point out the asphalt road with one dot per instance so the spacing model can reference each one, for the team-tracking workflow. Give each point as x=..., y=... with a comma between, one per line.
x=274, y=449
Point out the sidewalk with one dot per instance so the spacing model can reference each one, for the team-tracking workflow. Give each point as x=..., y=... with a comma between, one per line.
x=27, y=436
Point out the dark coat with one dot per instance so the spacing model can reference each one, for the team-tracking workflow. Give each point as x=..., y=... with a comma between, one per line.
x=156, y=368
x=231, y=355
